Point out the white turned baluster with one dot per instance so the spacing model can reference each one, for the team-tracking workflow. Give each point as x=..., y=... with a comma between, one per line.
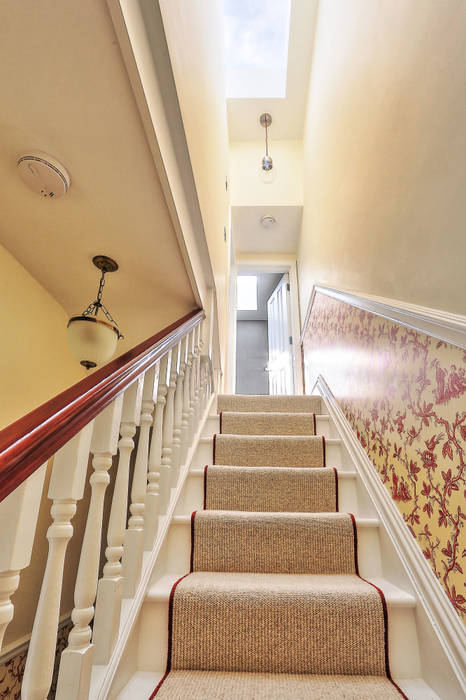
x=178, y=414
x=134, y=535
x=191, y=385
x=185, y=432
x=110, y=587
x=76, y=659
x=197, y=377
x=66, y=488
x=18, y=520
x=168, y=426
x=153, y=496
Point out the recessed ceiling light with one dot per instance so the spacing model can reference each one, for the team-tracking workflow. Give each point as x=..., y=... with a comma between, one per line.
x=268, y=221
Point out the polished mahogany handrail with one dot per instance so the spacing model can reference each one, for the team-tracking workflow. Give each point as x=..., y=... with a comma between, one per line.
x=33, y=439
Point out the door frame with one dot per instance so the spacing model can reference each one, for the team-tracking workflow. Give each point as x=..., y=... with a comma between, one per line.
x=272, y=263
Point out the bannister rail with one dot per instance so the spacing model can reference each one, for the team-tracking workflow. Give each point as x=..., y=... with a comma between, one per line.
x=157, y=394
x=30, y=441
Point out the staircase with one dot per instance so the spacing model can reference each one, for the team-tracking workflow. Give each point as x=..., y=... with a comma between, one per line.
x=294, y=590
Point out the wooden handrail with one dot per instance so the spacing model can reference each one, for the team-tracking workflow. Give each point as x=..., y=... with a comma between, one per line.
x=33, y=439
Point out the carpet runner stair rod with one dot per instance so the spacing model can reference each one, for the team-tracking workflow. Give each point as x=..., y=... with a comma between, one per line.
x=274, y=606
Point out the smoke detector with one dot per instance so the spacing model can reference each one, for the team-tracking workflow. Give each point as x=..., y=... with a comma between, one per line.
x=268, y=221
x=44, y=174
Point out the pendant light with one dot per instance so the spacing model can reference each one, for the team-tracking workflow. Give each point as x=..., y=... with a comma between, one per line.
x=93, y=340
x=266, y=172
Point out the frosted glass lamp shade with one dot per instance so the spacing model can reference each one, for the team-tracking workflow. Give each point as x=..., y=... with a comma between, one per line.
x=91, y=341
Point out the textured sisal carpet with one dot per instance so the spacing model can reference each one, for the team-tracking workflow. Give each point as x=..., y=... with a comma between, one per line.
x=267, y=423
x=269, y=450
x=286, y=404
x=274, y=607
x=271, y=489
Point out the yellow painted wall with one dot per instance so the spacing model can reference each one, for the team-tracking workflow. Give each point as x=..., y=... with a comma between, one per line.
x=35, y=363
x=195, y=41
x=385, y=152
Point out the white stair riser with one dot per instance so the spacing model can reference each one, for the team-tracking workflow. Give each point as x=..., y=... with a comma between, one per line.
x=204, y=455
x=324, y=426
x=192, y=496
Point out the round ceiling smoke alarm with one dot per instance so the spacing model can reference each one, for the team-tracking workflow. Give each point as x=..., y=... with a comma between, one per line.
x=267, y=221
x=44, y=174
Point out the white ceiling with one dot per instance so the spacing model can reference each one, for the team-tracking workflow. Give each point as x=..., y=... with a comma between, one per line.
x=65, y=91
x=250, y=236
x=287, y=113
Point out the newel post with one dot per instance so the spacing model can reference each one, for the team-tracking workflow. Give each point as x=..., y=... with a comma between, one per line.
x=109, y=591
x=76, y=660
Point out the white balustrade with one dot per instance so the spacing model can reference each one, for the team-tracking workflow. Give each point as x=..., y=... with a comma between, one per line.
x=168, y=427
x=66, y=487
x=185, y=427
x=154, y=476
x=197, y=377
x=110, y=587
x=178, y=415
x=134, y=535
x=18, y=519
x=191, y=385
x=76, y=659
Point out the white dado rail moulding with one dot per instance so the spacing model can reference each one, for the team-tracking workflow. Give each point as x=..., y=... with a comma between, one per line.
x=446, y=326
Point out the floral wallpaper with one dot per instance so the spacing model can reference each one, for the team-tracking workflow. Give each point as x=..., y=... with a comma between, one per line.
x=404, y=394
x=11, y=672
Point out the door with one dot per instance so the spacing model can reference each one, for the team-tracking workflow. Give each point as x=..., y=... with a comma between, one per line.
x=280, y=366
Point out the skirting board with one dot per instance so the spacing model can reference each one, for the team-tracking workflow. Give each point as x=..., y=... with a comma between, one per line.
x=446, y=326
x=447, y=624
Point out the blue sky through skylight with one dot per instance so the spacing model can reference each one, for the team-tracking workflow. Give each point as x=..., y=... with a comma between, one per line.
x=256, y=39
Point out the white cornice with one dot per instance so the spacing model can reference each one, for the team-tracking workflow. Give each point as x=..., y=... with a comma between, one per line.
x=443, y=325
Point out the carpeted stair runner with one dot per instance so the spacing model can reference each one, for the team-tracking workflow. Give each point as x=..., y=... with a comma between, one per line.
x=277, y=404
x=267, y=423
x=274, y=607
x=269, y=450
x=271, y=489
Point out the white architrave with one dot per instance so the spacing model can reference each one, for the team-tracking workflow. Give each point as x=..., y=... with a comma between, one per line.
x=18, y=520
x=178, y=414
x=109, y=590
x=76, y=659
x=134, y=535
x=153, y=505
x=65, y=489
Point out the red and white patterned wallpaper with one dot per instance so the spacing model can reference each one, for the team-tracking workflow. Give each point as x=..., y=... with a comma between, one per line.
x=404, y=394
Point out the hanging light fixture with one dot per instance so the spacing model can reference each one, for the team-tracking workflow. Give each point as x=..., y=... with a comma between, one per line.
x=93, y=340
x=267, y=172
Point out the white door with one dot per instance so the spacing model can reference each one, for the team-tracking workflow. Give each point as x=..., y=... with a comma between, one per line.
x=280, y=366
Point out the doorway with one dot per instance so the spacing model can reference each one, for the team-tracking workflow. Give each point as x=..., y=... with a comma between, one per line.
x=263, y=358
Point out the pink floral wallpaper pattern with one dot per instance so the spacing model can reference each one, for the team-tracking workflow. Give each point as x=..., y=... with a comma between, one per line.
x=404, y=394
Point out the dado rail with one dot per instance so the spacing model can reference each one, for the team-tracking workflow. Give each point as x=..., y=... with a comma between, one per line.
x=160, y=389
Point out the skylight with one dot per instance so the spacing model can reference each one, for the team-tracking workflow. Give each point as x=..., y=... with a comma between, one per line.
x=256, y=38
x=247, y=293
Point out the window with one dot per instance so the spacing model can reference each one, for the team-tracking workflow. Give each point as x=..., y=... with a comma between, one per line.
x=247, y=293
x=256, y=44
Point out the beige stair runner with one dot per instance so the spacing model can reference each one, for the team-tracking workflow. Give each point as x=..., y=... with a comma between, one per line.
x=267, y=423
x=274, y=607
x=277, y=404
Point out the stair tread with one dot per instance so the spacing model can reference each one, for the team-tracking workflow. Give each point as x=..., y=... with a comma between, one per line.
x=199, y=472
x=159, y=591
x=142, y=683
x=360, y=522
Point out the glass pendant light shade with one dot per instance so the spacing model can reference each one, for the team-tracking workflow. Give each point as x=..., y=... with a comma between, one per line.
x=91, y=340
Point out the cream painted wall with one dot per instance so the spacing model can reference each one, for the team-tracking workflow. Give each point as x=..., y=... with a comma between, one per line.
x=195, y=41
x=35, y=363
x=385, y=152
x=247, y=189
